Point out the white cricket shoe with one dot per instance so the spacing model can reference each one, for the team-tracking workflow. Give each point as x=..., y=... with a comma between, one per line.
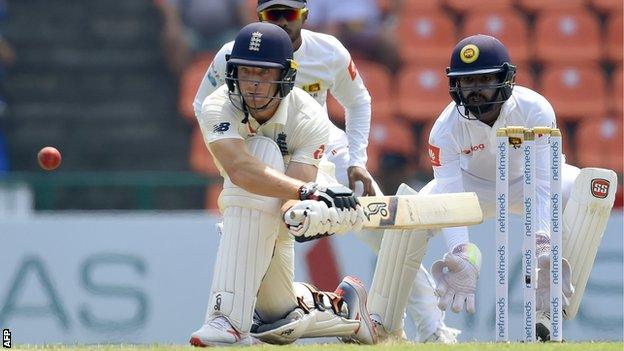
x=443, y=335
x=219, y=332
x=354, y=294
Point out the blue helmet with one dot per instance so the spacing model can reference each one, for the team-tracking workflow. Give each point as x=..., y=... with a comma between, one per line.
x=262, y=44
x=476, y=55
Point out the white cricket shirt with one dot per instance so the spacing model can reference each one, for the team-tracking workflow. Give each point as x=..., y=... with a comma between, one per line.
x=300, y=126
x=324, y=64
x=458, y=145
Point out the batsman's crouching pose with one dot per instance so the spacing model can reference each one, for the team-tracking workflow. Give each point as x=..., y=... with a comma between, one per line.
x=267, y=138
x=463, y=153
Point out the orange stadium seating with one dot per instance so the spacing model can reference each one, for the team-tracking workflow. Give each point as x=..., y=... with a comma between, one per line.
x=506, y=24
x=413, y=6
x=189, y=83
x=426, y=36
x=616, y=92
x=200, y=159
x=600, y=143
x=423, y=92
x=377, y=79
x=541, y=5
x=476, y=5
x=524, y=75
x=567, y=36
x=607, y=6
x=394, y=137
x=613, y=39
x=576, y=92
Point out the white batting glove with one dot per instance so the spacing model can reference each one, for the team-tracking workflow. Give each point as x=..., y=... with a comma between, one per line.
x=542, y=295
x=315, y=220
x=456, y=278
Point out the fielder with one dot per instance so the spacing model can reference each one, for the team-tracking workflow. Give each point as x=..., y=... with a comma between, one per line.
x=325, y=64
x=267, y=138
x=462, y=148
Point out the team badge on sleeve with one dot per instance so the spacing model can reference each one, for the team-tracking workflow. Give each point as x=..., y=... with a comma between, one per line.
x=434, y=155
x=319, y=152
x=352, y=70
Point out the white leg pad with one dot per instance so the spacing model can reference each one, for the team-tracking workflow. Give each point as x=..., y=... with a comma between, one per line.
x=584, y=221
x=250, y=227
x=399, y=261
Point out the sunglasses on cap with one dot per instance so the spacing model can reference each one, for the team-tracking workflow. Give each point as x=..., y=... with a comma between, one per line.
x=274, y=15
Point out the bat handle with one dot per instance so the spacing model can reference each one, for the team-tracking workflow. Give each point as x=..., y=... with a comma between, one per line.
x=296, y=215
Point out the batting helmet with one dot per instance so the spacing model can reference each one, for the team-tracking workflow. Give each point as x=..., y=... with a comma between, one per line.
x=262, y=44
x=476, y=55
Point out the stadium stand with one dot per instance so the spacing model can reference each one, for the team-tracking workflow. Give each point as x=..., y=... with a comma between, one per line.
x=531, y=6
x=564, y=36
x=463, y=6
x=427, y=36
x=600, y=143
x=613, y=38
x=575, y=92
x=423, y=93
x=607, y=6
x=378, y=81
x=616, y=93
x=506, y=24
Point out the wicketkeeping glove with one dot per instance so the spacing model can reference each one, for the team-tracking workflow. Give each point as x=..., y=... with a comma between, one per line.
x=456, y=277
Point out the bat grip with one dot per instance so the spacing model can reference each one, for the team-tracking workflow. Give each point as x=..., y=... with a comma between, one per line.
x=296, y=215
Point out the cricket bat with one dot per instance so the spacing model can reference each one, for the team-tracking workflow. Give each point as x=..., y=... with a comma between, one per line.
x=417, y=211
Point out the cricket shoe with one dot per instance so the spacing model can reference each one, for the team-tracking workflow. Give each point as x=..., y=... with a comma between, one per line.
x=354, y=294
x=383, y=334
x=443, y=335
x=542, y=327
x=219, y=332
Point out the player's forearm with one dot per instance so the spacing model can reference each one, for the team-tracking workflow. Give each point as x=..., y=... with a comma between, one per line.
x=260, y=179
x=358, y=119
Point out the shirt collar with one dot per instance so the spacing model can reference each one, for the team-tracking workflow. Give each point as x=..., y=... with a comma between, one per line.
x=279, y=117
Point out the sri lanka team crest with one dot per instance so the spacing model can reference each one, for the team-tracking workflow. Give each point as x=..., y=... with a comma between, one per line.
x=469, y=53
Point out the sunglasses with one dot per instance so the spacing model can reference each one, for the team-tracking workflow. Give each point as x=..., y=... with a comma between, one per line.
x=274, y=15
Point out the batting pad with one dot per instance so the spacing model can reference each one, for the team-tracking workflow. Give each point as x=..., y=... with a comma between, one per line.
x=250, y=227
x=584, y=222
x=398, y=263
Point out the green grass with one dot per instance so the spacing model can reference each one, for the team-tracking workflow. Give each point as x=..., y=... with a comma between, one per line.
x=602, y=346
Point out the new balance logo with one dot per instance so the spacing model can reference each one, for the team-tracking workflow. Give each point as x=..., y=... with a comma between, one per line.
x=255, y=41
x=221, y=127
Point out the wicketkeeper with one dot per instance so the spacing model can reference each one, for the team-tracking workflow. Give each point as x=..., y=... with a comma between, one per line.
x=462, y=148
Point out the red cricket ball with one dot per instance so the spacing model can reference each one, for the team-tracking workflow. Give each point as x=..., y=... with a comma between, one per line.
x=49, y=158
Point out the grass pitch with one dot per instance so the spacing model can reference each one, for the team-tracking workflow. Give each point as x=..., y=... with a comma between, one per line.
x=572, y=346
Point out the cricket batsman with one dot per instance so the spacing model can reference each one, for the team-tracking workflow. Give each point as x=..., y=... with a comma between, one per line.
x=324, y=65
x=267, y=138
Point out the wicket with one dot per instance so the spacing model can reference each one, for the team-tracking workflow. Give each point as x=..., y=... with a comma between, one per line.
x=525, y=138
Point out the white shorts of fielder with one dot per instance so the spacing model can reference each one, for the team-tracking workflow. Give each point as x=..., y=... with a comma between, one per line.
x=423, y=305
x=254, y=268
x=588, y=197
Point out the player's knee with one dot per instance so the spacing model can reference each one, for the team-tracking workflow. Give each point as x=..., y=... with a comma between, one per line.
x=267, y=151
